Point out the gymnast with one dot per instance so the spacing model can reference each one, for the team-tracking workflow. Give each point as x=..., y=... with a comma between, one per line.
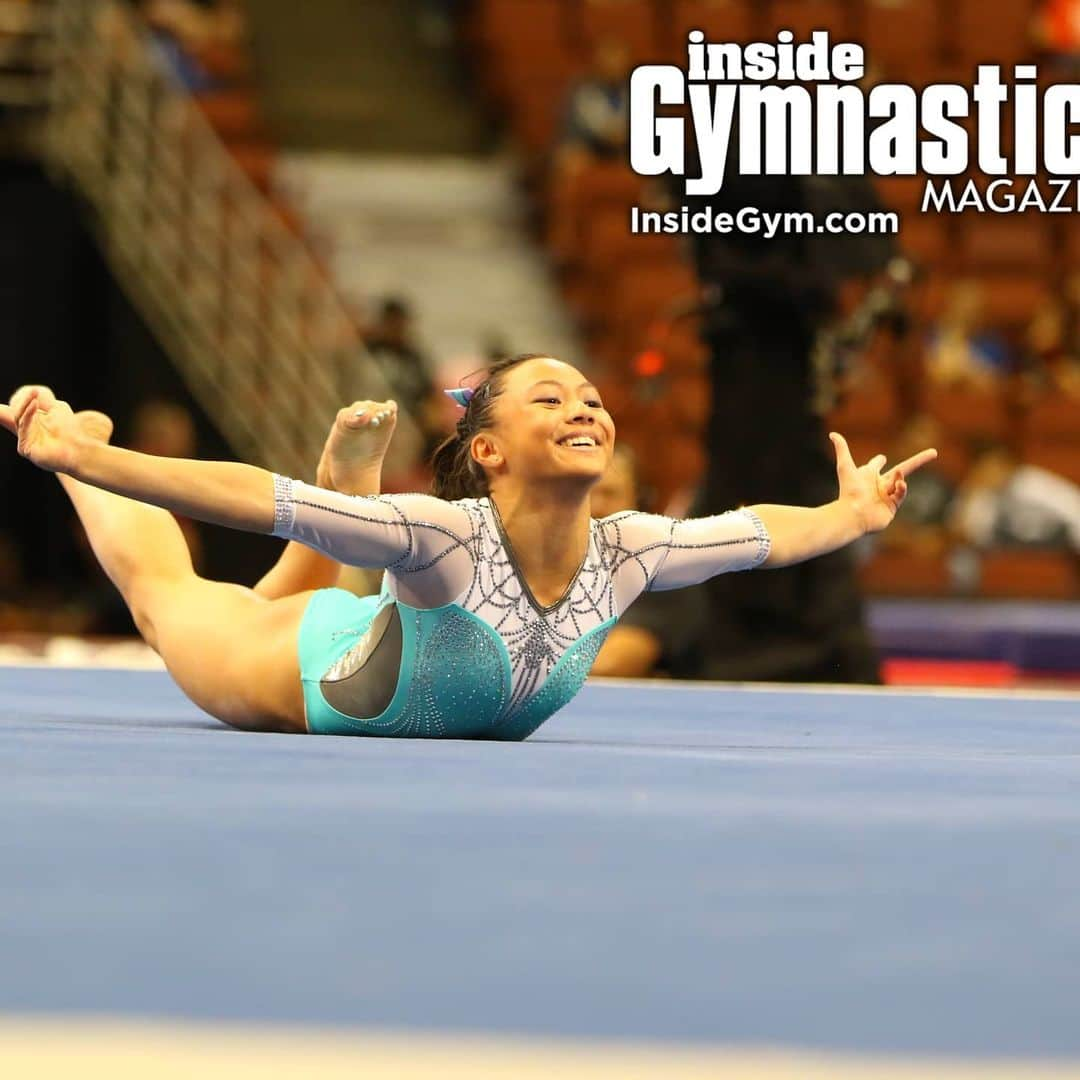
x=499, y=588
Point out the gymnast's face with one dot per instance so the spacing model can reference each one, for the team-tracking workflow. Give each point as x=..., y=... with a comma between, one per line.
x=549, y=424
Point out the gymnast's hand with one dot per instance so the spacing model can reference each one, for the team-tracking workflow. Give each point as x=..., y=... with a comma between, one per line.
x=874, y=495
x=48, y=431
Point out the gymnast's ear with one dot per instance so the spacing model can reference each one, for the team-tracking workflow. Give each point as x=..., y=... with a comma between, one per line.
x=485, y=451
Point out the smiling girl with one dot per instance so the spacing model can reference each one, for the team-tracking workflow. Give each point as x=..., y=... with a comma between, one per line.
x=499, y=587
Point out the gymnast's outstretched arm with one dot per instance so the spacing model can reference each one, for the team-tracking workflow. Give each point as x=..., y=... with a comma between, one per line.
x=221, y=493
x=659, y=553
x=373, y=532
x=867, y=502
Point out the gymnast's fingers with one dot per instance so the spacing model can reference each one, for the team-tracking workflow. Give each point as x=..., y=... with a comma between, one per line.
x=916, y=461
x=7, y=419
x=25, y=422
x=844, y=461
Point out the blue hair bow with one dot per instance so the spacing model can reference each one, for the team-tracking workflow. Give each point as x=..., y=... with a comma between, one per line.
x=462, y=395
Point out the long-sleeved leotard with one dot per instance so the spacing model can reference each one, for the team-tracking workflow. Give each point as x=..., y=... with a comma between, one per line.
x=478, y=655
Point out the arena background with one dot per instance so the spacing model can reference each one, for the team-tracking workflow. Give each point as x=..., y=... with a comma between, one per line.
x=223, y=219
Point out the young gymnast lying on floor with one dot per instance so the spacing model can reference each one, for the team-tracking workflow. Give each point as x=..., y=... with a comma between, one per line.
x=499, y=586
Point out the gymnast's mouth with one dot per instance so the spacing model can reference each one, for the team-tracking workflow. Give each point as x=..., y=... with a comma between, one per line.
x=579, y=442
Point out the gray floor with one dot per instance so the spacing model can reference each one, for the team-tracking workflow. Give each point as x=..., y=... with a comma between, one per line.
x=880, y=872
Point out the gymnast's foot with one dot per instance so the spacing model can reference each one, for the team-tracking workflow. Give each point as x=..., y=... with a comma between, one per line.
x=95, y=425
x=352, y=458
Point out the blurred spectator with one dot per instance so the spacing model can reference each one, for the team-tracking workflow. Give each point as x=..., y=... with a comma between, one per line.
x=392, y=344
x=597, y=111
x=1053, y=342
x=595, y=127
x=167, y=429
x=961, y=349
x=201, y=41
x=163, y=428
x=17, y=37
x=661, y=631
x=1002, y=503
x=1056, y=29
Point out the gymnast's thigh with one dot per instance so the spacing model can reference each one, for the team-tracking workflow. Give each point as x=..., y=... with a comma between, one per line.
x=233, y=652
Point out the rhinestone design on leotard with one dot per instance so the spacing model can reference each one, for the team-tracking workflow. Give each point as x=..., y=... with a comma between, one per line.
x=456, y=679
x=535, y=637
x=619, y=552
x=459, y=679
x=488, y=660
x=560, y=687
x=284, y=510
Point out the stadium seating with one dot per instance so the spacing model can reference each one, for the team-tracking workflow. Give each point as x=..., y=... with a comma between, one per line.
x=981, y=33
x=1017, y=574
x=968, y=412
x=1012, y=296
x=904, y=573
x=634, y=22
x=900, y=35
x=627, y=289
x=1052, y=418
x=1056, y=457
x=1014, y=241
x=720, y=20
x=805, y=16
x=927, y=239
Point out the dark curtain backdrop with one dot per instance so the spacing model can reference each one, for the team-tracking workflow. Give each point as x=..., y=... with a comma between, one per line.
x=65, y=322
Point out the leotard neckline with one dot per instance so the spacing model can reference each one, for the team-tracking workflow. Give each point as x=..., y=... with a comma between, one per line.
x=521, y=576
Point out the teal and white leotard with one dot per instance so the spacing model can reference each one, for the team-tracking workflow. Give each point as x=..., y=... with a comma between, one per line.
x=455, y=646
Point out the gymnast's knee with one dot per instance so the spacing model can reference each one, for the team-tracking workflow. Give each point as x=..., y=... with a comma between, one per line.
x=146, y=595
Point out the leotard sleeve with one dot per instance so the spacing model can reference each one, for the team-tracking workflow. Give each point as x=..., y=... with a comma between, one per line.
x=405, y=534
x=654, y=553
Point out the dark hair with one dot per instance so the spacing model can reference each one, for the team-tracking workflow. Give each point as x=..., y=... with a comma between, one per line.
x=455, y=475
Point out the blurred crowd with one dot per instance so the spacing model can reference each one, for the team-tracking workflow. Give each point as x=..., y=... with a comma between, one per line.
x=726, y=361
x=958, y=333
x=202, y=43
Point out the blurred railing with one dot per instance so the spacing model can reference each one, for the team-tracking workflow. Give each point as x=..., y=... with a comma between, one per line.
x=248, y=316
x=26, y=53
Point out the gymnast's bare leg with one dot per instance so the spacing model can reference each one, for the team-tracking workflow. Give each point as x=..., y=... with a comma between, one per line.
x=230, y=649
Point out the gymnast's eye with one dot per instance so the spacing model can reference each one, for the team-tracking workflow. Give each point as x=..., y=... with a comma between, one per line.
x=546, y=400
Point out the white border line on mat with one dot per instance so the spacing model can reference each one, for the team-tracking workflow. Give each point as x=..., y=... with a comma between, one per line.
x=119, y=1050
x=1018, y=694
